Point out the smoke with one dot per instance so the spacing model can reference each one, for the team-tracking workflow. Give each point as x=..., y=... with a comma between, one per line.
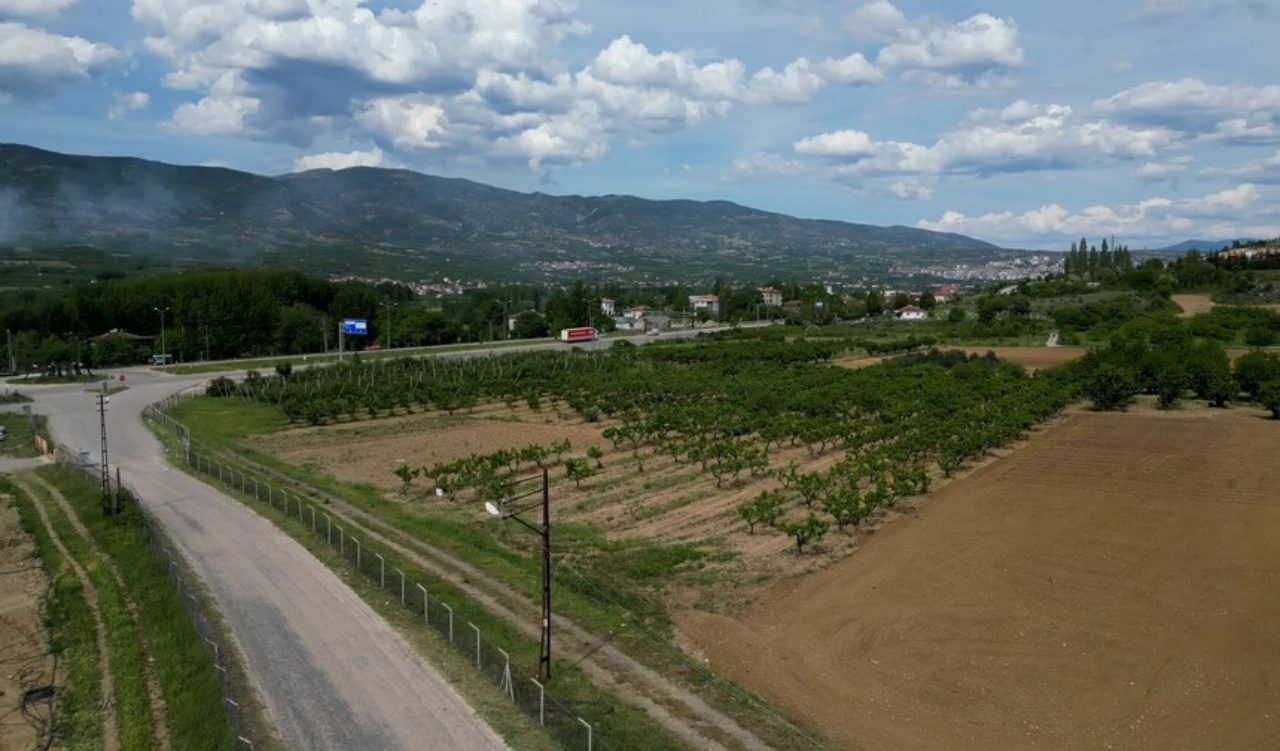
x=15, y=215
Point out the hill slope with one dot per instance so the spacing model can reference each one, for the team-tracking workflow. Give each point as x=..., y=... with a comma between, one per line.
x=1204, y=246
x=365, y=217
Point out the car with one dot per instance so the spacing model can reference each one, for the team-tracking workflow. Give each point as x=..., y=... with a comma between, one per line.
x=653, y=332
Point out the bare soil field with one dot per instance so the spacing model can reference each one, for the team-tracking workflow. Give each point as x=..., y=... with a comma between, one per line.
x=1193, y=304
x=1033, y=358
x=24, y=644
x=1115, y=583
x=368, y=451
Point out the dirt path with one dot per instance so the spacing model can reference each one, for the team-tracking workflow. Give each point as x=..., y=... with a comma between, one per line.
x=110, y=729
x=24, y=642
x=155, y=697
x=606, y=664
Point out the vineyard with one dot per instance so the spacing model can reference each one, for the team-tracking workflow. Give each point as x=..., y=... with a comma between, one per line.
x=797, y=446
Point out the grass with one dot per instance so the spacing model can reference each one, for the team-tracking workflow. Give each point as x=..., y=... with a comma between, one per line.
x=18, y=438
x=623, y=725
x=133, y=715
x=269, y=363
x=66, y=615
x=182, y=663
x=14, y=397
x=594, y=588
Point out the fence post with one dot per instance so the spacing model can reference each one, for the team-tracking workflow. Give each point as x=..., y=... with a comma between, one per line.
x=342, y=541
x=401, y=587
x=357, y=542
x=382, y=571
x=300, y=519
x=255, y=489
x=542, y=702
x=446, y=607
x=507, y=686
x=588, y=726
x=313, y=518
x=328, y=528
x=477, y=630
x=426, y=616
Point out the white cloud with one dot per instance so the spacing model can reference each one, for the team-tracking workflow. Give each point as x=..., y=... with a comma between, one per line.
x=1216, y=112
x=766, y=165
x=950, y=56
x=337, y=160
x=34, y=9
x=1154, y=172
x=1265, y=170
x=126, y=102
x=1233, y=210
x=225, y=110
x=910, y=189
x=413, y=122
x=1164, y=8
x=851, y=70
x=1022, y=137
x=1121, y=67
x=876, y=19
x=34, y=63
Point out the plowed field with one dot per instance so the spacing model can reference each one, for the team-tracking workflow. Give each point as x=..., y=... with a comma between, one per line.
x=1113, y=584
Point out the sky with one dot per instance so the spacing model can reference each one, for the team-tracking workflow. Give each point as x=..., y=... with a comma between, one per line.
x=1027, y=124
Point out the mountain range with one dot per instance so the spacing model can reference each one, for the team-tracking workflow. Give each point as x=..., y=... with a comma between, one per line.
x=1204, y=246
x=399, y=222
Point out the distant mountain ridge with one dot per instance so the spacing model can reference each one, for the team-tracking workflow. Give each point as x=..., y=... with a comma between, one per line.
x=342, y=217
x=1204, y=246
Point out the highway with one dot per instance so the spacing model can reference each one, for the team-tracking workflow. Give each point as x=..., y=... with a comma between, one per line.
x=331, y=672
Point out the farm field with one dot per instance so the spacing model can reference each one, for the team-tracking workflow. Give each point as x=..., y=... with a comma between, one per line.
x=1109, y=585
x=25, y=652
x=1193, y=305
x=1032, y=358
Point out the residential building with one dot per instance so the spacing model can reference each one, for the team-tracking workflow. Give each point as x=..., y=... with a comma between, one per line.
x=772, y=297
x=606, y=306
x=912, y=313
x=946, y=292
x=709, y=303
x=637, y=313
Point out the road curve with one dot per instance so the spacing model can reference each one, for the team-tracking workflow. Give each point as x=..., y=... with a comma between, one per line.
x=333, y=674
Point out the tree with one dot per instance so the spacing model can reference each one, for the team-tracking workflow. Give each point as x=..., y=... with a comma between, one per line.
x=808, y=531
x=1269, y=397
x=763, y=509
x=875, y=303
x=844, y=507
x=1170, y=382
x=578, y=470
x=406, y=476
x=956, y=314
x=927, y=300
x=115, y=349
x=1259, y=336
x=530, y=325
x=1111, y=387
x=594, y=452
x=1220, y=388
x=1255, y=369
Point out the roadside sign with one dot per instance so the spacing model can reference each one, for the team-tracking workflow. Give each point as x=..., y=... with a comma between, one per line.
x=122, y=377
x=355, y=326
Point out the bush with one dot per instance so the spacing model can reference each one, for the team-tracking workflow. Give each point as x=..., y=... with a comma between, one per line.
x=1255, y=369
x=221, y=386
x=1269, y=397
x=1259, y=337
x=284, y=369
x=1111, y=387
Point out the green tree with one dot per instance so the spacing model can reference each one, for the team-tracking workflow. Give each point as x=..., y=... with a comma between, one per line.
x=875, y=303
x=530, y=325
x=956, y=314
x=808, y=531
x=765, y=508
x=1260, y=336
x=578, y=470
x=1170, y=382
x=114, y=350
x=1255, y=369
x=844, y=506
x=594, y=452
x=1111, y=387
x=1269, y=397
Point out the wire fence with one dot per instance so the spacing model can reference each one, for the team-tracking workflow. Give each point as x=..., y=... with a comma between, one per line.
x=231, y=681
x=565, y=725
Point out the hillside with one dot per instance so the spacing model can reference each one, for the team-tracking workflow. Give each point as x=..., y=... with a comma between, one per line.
x=1204, y=246
x=400, y=222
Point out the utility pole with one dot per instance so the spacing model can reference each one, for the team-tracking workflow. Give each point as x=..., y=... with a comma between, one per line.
x=13, y=362
x=544, y=531
x=388, y=306
x=164, y=350
x=103, y=399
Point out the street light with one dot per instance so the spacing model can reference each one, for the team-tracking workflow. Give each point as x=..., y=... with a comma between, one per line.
x=164, y=350
x=388, y=306
x=499, y=510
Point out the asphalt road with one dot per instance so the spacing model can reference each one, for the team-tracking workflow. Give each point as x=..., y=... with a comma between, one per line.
x=331, y=671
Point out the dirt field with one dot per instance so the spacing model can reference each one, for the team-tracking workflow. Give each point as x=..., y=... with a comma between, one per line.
x=1113, y=584
x=24, y=659
x=1193, y=304
x=1033, y=358
x=368, y=451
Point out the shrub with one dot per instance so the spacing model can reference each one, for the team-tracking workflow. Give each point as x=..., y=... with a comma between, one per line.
x=1111, y=387
x=221, y=386
x=284, y=369
x=1269, y=397
x=1259, y=336
x=808, y=531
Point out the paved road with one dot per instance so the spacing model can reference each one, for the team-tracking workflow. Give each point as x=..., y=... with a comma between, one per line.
x=331, y=671
x=333, y=674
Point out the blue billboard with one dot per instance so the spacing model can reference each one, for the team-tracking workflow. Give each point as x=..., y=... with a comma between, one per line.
x=355, y=326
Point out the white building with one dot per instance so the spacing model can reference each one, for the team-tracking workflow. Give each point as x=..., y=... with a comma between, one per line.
x=772, y=297
x=912, y=313
x=636, y=314
x=709, y=303
x=606, y=306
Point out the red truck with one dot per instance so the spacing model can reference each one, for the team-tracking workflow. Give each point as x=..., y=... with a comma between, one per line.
x=583, y=334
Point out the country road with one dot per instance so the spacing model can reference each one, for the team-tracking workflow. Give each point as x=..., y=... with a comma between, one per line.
x=331, y=672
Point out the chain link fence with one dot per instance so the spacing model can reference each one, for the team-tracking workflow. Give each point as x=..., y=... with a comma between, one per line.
x=231, y=682
x=565, y=725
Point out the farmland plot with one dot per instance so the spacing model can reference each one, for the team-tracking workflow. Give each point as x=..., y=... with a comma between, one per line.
x=1114, y=584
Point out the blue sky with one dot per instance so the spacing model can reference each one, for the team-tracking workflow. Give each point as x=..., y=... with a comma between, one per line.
x=1026, y=124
